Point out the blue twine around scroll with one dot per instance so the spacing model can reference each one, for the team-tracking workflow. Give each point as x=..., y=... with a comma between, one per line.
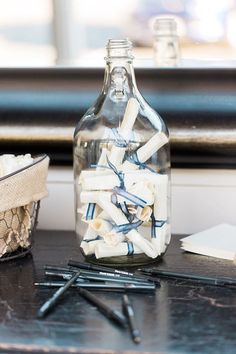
x=100, y=166
x=130, y=248
x=93, y=239
x=125, y=210
x=90, y=211
x=129, y=196
x=120, y=141
x=119, y=174
x=125, y=228
x=123, y=207
x=156, y=224
x=135, y=160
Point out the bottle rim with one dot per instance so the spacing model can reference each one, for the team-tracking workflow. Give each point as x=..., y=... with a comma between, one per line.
x=119, y=43
x=119, y=48
x=164, y=26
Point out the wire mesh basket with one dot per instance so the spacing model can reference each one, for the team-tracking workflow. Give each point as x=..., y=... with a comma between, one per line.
x=14, y=243
x=20, y=195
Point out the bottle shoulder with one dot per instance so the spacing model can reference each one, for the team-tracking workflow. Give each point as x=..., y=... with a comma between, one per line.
x=106, y=114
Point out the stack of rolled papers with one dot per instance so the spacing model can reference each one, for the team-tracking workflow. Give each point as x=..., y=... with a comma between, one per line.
x=123, y=199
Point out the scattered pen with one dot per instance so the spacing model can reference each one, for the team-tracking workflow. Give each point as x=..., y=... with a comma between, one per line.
x=114, y=315
x=103, y=286
x=190, y=277
x=129, y=313
x=89, y=275
x=49, y=304
x=97, y=267
x=59, y=269
x=112, y=271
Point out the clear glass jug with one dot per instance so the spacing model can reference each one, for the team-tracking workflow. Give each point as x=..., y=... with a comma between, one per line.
x=166, y=42
x=121, y=171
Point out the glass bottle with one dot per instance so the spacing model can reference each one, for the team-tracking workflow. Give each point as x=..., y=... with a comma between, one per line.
x=121, y=171
x=166, y=42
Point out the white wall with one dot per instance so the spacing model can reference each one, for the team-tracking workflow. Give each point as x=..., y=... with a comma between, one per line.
x=200, y=199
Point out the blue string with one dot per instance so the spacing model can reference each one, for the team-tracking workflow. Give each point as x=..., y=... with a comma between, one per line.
x=124, y=208
x=101, y=166
x=156, y=224
x=90, y=211
x=125, y=228
x=135, y=160
x=129, y=196
x=120, y=141
x=119, y=174
x=93, y=239
x=130, y=247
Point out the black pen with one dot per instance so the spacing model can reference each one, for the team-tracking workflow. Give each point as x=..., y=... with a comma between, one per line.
x=49, y=304
x=103, y=286
x=97, y=267
x=98, y=276
x=129, y=313
x=191, y=277
x=114, y=315
x=114, y=272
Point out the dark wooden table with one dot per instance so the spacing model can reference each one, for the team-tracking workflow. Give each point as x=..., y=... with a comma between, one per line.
x=181, y=317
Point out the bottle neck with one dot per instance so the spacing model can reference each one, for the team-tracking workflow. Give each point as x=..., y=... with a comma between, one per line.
x=119, y=80
x=119, y=77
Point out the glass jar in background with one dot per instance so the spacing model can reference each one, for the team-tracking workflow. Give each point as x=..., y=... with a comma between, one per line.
x=121, y=171
x=166, y=42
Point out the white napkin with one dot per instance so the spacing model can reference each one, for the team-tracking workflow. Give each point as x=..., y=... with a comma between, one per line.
x=218, y=241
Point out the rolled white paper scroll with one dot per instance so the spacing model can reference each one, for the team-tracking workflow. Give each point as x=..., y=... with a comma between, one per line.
x=91, y=211
x=145, y=231
x=147, y=247
x=93, y=197
x=116, y=214
x=89, y=247
x=102, y=159
x=101, y=226
x=144, y=214
x=85, y=174
x=160, y=214
x=110, y=180
x=143, y=189
x=105, y=229
x=91, y=233
x=117, y=153
x=130, y=116
x=114, y=238
x=122, y=249
x=147, y=150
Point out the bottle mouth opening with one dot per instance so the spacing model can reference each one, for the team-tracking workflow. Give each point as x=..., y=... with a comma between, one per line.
x=165, y=25
x=119, y=48
x=119, y=43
